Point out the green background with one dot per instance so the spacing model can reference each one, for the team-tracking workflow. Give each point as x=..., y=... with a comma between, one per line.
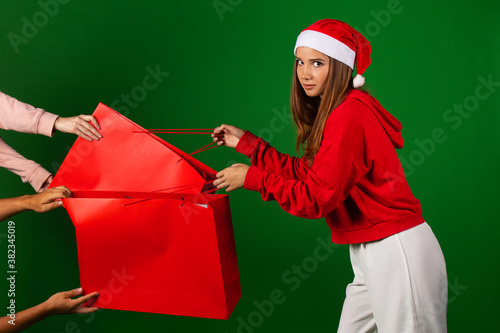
x=234, y=66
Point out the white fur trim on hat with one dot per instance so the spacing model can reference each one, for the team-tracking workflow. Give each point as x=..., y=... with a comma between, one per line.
x=327, y=45
x=358, y=81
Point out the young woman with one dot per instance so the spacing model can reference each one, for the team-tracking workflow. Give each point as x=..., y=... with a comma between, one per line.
x=350, y=174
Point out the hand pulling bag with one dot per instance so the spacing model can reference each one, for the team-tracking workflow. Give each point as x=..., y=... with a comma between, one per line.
x=141, y=247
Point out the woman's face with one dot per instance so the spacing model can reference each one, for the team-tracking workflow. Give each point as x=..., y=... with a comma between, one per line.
x=312, y=70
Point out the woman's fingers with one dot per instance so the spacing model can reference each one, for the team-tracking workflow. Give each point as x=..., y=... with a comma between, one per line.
x=223, y=129
x=84, y=134
x=220, y=174
x=219, y=181
x=218, y=136
x=222, y=185
x=86, y=130
x=86, y=298
x=80, y=125
x=85, y=309
x=227, y=135
x=48, y=200
x=72, y=293
x=218, y=139
x=92, y=119
x=50, y=196
x=51, y=205
x=63, y=191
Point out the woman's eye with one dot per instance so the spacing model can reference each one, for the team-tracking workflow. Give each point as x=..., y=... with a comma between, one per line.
x=317, y=64
x=299, y=62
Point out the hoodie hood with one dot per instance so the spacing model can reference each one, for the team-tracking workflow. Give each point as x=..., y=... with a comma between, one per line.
x=391, y=125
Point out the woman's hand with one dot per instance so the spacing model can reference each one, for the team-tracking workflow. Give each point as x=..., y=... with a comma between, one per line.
x=233, y=177
x=45, y=201
x=62, y=303
x=40, y=203
x=80, y=126
x=227, y=135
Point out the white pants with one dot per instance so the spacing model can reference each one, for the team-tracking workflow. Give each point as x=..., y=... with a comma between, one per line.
x=400, y=285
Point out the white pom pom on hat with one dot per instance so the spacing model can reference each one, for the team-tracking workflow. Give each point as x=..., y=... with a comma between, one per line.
x=358, y=81
x=339, y=41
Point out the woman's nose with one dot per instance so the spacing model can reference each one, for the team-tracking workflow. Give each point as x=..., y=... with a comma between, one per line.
x=306, y=74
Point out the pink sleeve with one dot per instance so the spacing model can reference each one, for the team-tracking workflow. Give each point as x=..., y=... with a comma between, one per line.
x=335, y=171
x=29, y=171
x=21, y=117
x=266, y=157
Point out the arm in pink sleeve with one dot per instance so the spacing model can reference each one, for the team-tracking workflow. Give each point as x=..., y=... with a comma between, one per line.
x=29, y=171
x=22, y=117
x=266, y=157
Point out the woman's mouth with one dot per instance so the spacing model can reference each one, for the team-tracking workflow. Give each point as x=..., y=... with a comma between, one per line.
x=308, y=86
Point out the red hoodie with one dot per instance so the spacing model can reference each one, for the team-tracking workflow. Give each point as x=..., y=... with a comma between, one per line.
x=356, y=180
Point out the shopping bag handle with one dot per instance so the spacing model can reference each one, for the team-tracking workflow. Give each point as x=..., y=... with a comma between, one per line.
x=179, y=188
x=183, y=131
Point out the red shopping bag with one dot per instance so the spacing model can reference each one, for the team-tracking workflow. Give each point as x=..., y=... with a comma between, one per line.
x=147, y=238
x=128, y=158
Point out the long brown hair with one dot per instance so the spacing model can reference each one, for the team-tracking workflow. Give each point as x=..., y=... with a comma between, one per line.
x=310, y=113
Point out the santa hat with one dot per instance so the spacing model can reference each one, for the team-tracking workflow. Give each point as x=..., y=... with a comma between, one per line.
x=339, y=41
